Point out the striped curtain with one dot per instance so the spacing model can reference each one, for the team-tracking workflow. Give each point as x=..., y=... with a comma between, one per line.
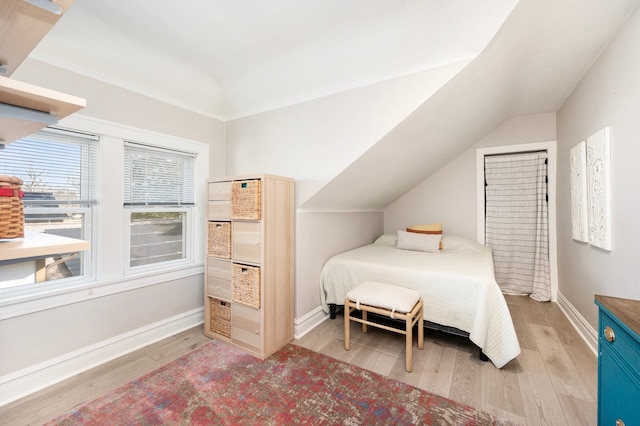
x=516, y=222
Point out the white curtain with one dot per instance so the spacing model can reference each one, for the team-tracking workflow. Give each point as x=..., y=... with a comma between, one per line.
x=516, y=222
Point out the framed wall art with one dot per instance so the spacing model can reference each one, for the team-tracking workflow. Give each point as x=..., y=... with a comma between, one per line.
x=579, y=203
x=599, y=188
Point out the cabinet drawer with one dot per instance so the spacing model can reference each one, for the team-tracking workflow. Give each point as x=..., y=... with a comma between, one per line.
x=623, y=344
x=219, y=320
x=246, y=199
x=246, y=241
x=219, y=278
x=219, y=210
x=245, y=327
x=618, y=393
x=220, y=191
x=219, y=239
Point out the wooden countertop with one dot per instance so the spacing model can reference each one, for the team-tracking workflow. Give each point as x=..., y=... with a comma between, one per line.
x=38, y=245
x=626, y=310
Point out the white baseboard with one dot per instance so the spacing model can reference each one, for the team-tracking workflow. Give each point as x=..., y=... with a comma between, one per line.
x=21, y=383
x=308, y=322
x=584, y=329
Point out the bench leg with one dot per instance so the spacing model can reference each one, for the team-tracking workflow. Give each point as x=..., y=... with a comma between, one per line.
x=421, y=329
x=347, y=326
x=364, y=318
x=409, y=339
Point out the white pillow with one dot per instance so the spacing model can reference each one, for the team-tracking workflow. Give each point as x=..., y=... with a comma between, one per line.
x=419, y=242
x=388, y=240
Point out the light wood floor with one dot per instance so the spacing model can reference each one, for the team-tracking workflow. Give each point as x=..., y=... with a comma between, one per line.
x=552, y=382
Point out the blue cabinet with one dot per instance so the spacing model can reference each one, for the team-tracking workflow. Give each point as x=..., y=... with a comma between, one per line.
x=618, y=361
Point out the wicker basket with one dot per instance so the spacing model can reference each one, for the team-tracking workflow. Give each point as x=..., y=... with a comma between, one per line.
x=245, y=283
x=11, y=208
x=220, y=317
x=245, y=199
x=219, y=237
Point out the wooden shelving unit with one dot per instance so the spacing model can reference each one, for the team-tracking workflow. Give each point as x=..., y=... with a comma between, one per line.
x=249, y=276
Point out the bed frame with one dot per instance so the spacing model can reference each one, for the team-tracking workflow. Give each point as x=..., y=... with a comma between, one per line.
x=334, y=309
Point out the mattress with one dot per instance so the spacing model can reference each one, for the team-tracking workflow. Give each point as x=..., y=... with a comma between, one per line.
x=457, y=285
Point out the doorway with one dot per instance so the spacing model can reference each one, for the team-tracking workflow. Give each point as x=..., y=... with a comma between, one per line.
x=497, y=225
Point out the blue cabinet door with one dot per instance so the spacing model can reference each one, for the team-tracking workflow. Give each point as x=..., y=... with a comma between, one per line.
x=618, y=396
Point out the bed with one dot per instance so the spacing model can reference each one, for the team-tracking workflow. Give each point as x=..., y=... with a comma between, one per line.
x=457, y=285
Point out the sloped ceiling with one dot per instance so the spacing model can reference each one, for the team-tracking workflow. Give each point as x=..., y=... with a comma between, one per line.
x=229, y=59
x=530, y=67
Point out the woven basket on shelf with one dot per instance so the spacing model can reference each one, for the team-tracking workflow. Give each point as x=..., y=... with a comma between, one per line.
x=245, y=282
x=220, y=317
x=219, y=239
x=11, y=208
x=245, y=199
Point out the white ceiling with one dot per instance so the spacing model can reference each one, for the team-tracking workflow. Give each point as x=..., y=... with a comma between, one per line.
x=229, y=59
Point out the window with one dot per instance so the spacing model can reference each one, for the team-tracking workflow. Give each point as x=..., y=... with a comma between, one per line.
x=58, y=169
x=159, y=198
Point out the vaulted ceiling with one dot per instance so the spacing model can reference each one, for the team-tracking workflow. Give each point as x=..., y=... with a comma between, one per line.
x=229, y=59
x=530, y=67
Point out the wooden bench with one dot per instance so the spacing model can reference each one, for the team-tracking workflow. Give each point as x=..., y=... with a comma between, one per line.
x=389, y=300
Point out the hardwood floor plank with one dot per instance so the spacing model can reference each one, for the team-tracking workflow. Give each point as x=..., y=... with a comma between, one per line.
x=437, y=373
x=521, y=324
x=467, y=382
x=584, y=413
x=502, y=389
x=586, y=363
x=564, y=375
x=541, y=406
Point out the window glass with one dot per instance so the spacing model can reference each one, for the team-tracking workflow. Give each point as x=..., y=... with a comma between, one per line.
x=157, y=237
x=59, y=174
x=159, y=195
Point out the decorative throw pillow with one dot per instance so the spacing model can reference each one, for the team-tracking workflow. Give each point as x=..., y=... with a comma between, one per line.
x=419, y=242
x=434, y=228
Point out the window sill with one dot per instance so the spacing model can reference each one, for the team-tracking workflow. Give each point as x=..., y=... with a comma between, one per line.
x=17, y=303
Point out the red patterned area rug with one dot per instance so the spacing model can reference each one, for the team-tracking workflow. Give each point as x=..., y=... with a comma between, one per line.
x=219, y=384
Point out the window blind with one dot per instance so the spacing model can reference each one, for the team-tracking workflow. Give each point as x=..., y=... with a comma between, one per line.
x=155, y=176
x=54, y=164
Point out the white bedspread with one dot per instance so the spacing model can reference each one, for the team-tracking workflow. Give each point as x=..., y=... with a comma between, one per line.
x=457, y=285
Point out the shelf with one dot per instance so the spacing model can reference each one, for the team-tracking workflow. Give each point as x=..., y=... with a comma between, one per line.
x=37, y=245
x=25, y=95
x=22, y=26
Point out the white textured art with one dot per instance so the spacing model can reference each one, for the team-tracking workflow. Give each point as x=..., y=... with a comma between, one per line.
x=599, y=188
x=579, y=215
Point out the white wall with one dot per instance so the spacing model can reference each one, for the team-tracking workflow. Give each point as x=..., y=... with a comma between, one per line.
x=608, y=95
x=321, y=235
x=449, y=195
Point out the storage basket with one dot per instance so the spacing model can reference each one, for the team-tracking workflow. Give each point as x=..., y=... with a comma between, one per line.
x=219, y=239
x=245, y=199
x=220, y=317
x=11, y=208
x=245, y=283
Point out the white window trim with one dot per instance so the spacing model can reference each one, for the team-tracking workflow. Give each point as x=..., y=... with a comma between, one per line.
x=107, y=225
x=551, y=148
